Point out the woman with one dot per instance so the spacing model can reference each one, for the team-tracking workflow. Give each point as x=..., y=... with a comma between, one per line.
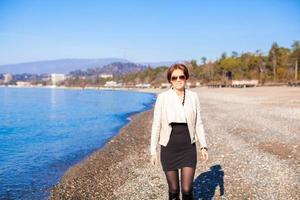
x=177, y=125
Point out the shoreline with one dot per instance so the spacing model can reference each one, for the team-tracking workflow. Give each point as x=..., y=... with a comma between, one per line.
x=145, y=90
x=80, y=88
x=99, y=174
x=114, y=151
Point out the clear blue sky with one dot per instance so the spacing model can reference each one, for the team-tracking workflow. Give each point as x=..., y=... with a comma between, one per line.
x=143, y=30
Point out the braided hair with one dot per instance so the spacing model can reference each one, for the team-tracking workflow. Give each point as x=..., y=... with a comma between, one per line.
x=183, y=96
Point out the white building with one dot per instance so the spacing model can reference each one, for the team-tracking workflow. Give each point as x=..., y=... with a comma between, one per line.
x=56, y=78
x=23, y=83
x=105, y=75
x=7, y=78
x=244, y=83
x=112, y=84
x=165, y=85
x=143, y=85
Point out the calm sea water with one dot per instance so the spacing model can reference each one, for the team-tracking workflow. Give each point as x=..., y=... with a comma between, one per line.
x=45, y=131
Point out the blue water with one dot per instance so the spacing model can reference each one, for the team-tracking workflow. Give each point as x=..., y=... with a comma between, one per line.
x=45, y=131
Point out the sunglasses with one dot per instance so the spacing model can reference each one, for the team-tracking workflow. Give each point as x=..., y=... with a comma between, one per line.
x=181, y=77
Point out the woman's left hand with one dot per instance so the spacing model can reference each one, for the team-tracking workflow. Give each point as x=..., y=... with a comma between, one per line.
x=204, y=155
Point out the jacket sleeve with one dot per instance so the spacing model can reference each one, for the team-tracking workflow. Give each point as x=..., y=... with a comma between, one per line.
x=200, y=133
x=156, y=125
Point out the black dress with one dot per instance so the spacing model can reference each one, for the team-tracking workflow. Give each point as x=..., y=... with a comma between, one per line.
x=179, y=151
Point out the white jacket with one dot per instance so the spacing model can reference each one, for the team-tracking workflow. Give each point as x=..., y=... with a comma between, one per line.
x=166, y=110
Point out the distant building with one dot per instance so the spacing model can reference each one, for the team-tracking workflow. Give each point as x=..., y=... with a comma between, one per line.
x=165, y=85
x=244, y=83
x=112, y=84
x=7, y=78
x=23, y=83
x=143, y=85
x=105, y=76
x=188, y=84
x=57, y=78
x=45, y=77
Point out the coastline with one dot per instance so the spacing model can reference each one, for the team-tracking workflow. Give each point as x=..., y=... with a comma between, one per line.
x=100, y=174
x=106, y=169
x=151, y=90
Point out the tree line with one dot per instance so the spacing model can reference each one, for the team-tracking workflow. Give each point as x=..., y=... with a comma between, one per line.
x=276, y=66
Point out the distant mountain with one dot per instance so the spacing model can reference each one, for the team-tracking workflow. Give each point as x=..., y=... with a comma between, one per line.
x=122, y=68
x=116, y=68
x=57, y=66
x=157, y=64
x=68, y=65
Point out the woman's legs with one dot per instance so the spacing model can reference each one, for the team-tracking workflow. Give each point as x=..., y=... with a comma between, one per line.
x=187, y=177
x=173, y=183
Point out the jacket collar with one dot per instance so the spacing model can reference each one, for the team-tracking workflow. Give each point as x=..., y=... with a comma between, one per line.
x=173, y=91
x=176, y=97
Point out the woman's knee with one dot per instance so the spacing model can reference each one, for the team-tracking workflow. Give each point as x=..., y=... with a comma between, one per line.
x=174, y=189
x=187, y=189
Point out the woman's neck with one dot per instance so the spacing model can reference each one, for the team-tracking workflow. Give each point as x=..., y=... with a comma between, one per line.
x=179, y=92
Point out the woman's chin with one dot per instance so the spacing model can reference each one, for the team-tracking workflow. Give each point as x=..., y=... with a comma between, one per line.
x=178, y=87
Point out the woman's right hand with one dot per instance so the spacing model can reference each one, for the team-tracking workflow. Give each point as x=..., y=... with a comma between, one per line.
x=154, y=159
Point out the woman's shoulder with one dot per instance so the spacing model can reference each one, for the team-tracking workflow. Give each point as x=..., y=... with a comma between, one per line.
x=164, y=93
x=192, y=93
x=161, y=95
x=168, y=92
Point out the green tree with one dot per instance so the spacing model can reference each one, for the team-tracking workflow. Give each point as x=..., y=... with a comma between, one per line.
x=203, y=59
x=223, y=56
x=194, y=64
x=234, y=54
x=295, y=58
x=273, y=55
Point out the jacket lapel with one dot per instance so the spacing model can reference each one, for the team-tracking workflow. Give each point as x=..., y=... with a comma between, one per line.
x=187, y=105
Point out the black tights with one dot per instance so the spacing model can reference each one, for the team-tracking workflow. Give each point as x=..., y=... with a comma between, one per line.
x=187, y=177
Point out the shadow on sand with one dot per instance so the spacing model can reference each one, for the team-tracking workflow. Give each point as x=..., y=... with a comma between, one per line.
x=209, y=184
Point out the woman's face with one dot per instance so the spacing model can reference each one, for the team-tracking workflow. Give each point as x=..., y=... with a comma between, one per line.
x=180, y=80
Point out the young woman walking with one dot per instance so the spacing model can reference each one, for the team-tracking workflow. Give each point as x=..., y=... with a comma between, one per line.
x=176, y=126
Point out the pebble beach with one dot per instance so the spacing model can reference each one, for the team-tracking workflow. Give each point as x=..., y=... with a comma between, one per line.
x=253, y=138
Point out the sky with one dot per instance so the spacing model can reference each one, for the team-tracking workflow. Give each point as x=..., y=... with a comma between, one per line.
x=143, y=30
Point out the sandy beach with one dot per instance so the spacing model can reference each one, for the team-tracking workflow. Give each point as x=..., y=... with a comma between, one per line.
x=253, y=136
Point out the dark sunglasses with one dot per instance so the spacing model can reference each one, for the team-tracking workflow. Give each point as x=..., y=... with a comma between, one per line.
x=181, y=77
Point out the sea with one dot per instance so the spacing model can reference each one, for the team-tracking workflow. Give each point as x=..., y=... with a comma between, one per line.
x=44, y=131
